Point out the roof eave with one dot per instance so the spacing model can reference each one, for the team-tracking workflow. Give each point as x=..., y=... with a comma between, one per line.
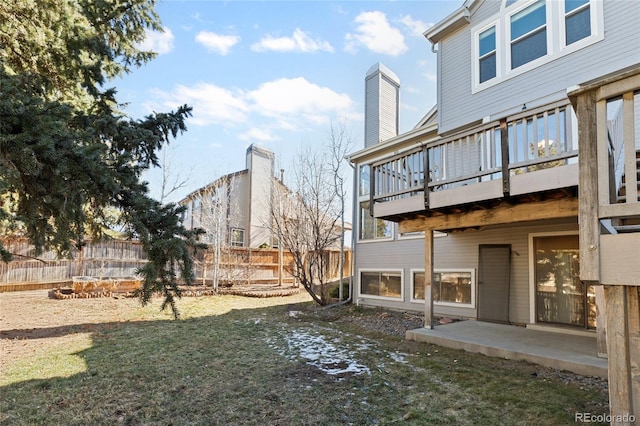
x=450, y=24
x=407, y=136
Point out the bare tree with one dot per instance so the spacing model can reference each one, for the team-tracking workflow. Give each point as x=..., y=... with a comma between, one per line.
x=172, y=181
x=213, y=218
x=341, y=143
x=217, y=207
x=304, y=217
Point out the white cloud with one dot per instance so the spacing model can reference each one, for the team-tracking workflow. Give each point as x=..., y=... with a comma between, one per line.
x=298, y=42
x=431, y=76
x=376, y=34
x=211, y=104
x=256, y=134
x=160, y=42
x=293, y=98
x=284, y=104
x=416, y=27
x=217, y=43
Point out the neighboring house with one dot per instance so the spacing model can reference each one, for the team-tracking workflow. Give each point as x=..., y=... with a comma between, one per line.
x=238, y=210
x=492, y=177
x=236, y=206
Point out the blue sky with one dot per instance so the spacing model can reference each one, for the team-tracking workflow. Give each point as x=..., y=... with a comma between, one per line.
x=276, y=74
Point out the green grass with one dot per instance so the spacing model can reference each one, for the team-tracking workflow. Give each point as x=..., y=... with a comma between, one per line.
x=235, y=361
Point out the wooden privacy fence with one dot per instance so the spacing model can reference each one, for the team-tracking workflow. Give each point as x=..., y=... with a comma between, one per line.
x=121, y=258
x=115, y=258
x=244, y=265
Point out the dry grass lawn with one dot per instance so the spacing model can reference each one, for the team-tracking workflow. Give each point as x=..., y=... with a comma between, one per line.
x=250, y=361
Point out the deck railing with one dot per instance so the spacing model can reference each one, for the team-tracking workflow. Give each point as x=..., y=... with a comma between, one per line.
x=473, y=156
x=619, y=154
x=530, y=141
x=544, y=139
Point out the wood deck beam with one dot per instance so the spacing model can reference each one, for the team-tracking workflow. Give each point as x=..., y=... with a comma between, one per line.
x=503, y=214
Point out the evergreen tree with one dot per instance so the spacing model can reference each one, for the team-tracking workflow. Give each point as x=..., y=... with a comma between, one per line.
x=68, y=155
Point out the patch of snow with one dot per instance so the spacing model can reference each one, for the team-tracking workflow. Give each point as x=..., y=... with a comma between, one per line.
x=335, y=355
x=325, y=355
x=398, y=357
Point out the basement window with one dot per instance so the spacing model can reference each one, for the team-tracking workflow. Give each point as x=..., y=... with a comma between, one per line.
x=451, y=287
x=382, y=283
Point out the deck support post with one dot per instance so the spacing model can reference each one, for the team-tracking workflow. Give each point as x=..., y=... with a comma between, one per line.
x=428, y=279
x=588, y=187
x=601, y=322
x=623, y=348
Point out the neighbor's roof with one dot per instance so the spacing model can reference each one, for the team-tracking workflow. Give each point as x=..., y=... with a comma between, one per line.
x=213, y=184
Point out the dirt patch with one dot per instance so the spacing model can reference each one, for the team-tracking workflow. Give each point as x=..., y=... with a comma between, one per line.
x=32, y=321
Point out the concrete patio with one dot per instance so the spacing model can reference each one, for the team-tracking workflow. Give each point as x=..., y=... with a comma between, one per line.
x=571, y=352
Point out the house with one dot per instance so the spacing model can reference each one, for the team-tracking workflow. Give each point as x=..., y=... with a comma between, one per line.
x=516, y=199
x=241, y=212
x=235, y=207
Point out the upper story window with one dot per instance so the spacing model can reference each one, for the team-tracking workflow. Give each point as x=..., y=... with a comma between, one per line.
x=529, y=33
x=487, y=53
x=528, y=29
x=371, y=228
x=365, y=180
x=577, y=20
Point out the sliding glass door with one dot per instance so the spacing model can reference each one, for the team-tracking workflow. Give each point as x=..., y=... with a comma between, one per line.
x=561, y=298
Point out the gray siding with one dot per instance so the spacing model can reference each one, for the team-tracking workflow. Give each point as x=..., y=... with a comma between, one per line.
x=239, y=204
x=458, y=106
x=636, y=110
x=486, y=9
x=372, y=105
x=458, y=250
x=260, y=180
x=454, y=81
x=389, y=109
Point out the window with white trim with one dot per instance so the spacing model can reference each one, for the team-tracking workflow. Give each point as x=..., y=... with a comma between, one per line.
x=420, y=234
x=417, y=285
x=372, y=228
x=577, y=20
x=488, y=65
x=451, y=287
x=529, y=33
x=385, y=284
x=237, y=237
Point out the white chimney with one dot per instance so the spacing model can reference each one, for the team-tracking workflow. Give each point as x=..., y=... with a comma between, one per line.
x=382, y=105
